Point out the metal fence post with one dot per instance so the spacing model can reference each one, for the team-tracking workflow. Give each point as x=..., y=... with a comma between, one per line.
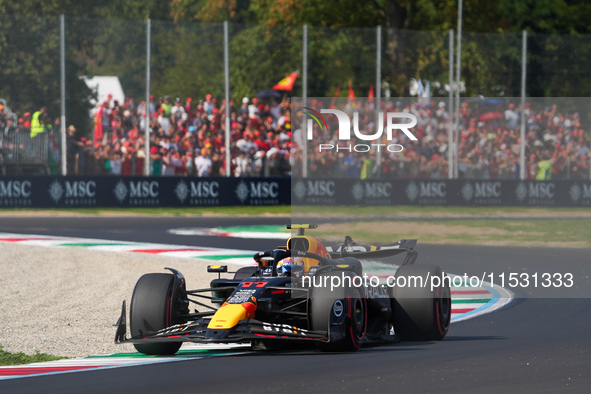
x=523, y=77
x=378, y=92
x=64, y=154
x=304, y=99
x=450, y=128
x=227, y=94
x=147, y=107
x=459, y=84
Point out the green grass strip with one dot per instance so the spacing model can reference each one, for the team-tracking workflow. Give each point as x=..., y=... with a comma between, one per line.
x=7, y=358
x=223, y=257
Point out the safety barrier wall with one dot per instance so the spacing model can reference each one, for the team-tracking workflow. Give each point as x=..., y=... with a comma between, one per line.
x=109, y=191
x=441, y=192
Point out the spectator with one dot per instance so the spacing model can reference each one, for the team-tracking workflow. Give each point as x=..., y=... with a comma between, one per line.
x=166, y=106
x=203, y=163
x=177, y=111
x=38, y=122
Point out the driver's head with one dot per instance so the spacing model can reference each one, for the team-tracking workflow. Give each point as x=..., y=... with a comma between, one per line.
x=284, y=266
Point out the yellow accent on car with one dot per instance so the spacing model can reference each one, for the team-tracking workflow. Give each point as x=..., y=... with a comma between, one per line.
x=343, y=265
x=227, y=316
x=304, y=226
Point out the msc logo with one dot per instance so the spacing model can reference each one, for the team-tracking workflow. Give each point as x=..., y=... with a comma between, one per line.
x=317, y=188
x=371, y=190
x=430, y=190
x=257, y=191
x=80, y=189
x=15, y=189
x=201, y=189
x=137, y=190
x=479, y=190
x=580, y=192
x=74, y=190
x=535, y=191
x=205, y=189
x=143, y=189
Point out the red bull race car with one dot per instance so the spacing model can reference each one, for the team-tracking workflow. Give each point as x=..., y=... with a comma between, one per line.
x=301, y=293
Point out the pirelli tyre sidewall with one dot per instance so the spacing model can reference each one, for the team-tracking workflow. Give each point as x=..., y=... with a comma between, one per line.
x=340, y=311
x=154, y=307
x=421, y=313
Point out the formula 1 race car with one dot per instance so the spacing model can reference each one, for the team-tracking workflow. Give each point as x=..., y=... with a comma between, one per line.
x=302, y=293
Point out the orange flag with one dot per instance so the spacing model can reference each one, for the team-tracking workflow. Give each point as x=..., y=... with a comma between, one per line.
x=371, y=94
x=351, y=93
x=287, y=82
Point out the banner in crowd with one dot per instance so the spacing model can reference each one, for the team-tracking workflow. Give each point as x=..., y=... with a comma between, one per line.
x=106, y=191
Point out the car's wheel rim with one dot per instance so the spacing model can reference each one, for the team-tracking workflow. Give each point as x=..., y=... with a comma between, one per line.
x=358, y=316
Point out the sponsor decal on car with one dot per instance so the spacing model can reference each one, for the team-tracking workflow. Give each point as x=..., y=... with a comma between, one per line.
x=284, y=328
x=337, y=308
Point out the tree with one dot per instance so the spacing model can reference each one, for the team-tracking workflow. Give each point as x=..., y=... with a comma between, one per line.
x=30, y=77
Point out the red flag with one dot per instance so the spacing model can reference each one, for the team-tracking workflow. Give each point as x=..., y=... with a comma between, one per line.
x=287, y=82
x=351, y=93
x=98, y=125
x=336, y=93
x=371, y=92
x=334, y=98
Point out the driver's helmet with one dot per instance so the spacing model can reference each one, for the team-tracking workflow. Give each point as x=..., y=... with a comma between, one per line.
x=284, y=267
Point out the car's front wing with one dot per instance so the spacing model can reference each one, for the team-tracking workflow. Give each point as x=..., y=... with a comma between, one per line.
x=196, y=331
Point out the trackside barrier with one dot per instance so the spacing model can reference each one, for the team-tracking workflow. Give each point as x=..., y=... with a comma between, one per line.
x=135, y=191
x=455, y=192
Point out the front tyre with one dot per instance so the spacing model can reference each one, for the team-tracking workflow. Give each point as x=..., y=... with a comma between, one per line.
x=421, y=313
x=344, y=302
x=154, y=307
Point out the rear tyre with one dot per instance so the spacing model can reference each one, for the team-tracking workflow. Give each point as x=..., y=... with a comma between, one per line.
x=324, y=306
x=154, y=307
x=420, y=312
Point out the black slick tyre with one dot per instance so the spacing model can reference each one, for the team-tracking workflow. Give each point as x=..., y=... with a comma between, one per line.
x=351, y=302
x=421, y=313
x=152, y=309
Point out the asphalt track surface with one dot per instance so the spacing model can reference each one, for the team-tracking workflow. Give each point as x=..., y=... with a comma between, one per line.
x=532, y=344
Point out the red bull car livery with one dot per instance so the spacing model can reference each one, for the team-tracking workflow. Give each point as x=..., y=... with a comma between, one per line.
x=300, y=293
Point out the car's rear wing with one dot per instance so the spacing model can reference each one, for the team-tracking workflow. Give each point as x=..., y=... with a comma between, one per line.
x=365, y=251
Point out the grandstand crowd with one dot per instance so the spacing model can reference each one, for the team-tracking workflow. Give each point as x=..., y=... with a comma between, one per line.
x=187, y=138
x=488, y=143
